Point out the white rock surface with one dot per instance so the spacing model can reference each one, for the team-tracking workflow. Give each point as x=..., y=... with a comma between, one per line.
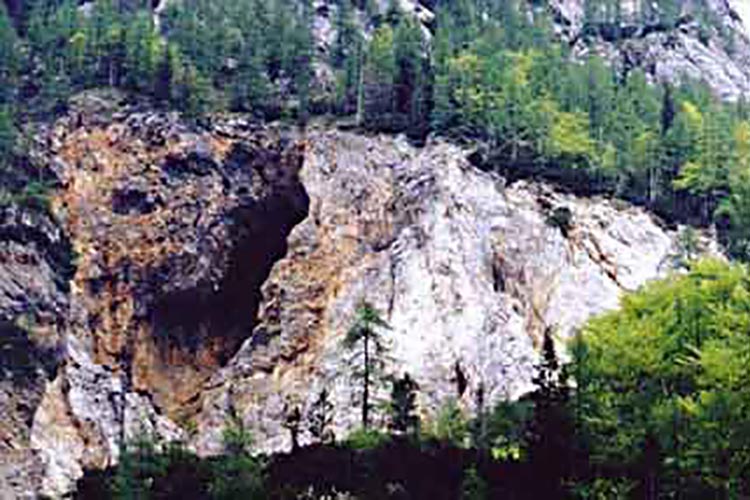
x=465, y=270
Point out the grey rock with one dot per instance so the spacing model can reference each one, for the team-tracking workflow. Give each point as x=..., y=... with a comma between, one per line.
x=466, y=271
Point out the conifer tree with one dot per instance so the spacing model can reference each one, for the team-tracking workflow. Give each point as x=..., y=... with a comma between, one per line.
x=142, y=52
x=303, y=55
x=7, y=135
x=320, y=418
x=9, y=60
x=368, y=347
x=403, y=406
x=410, y=92
x=292, y=423
x=550, y=429
x=379, y=74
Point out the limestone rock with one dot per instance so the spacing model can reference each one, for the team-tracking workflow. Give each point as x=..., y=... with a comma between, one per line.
x=468, y=272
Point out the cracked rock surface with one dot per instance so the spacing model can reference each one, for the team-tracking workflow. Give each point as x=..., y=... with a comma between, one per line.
x=468, y=272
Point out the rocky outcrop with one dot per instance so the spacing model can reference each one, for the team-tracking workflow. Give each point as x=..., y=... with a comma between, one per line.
x=716, y=51
x=218, y=267
x=173, y=230
x=467, y=271
x=34, y=271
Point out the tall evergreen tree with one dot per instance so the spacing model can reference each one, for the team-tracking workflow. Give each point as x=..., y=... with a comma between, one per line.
x=369, y=350
x=550, y=429
x=9, y=59
x=379, y=74
x=410, y=83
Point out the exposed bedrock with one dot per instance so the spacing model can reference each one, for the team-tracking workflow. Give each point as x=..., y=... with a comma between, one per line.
x=185, y=272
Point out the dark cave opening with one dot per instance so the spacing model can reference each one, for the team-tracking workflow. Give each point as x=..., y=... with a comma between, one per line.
x=218, y=317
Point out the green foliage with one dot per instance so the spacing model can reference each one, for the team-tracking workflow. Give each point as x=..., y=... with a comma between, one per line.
x=7, y=135
x=604, y=489
x=550, y=430
x=140, y=461
x=665, y=377
x=320, y=418
x=366, y=439
x=561, y=218
x=149, y=469
x=34, y=195
x=237, y=474
x=492, y=72
x=451, y=425
x=507, y=424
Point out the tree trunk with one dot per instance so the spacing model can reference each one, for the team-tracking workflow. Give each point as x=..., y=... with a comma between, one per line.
x=360, y=89
x=366, y=388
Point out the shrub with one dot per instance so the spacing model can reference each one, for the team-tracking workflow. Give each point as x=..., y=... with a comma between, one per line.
x=561, y=218
x=451, y=425
x=366, y=439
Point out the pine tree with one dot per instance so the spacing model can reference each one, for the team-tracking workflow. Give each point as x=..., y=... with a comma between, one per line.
x=292, y=423
x=7, y=135
x=410, y=92
x=303, y=54
x=378, y=80
x=345, y=33
x=479, y=425
x=443, y=113
x=138, y=465
x=320, y=418
x=369, y=351
x=237, y=474
x=403, y=406
x=550, y=429
x=142, y=52
x=9, y=59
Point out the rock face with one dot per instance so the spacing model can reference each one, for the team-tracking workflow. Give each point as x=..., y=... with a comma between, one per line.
x=173, y=231
x=718, y=54
x=216, y=270
x=468, y=272
x=34, y=274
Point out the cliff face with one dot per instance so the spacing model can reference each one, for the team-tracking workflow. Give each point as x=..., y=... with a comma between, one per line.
x=468, y=273
x=173, y=231
x=217, y=270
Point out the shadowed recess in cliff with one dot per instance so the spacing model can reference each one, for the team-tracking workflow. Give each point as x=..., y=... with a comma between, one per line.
x=219, y=315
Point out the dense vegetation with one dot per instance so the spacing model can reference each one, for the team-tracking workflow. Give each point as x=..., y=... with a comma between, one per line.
x=492, y=73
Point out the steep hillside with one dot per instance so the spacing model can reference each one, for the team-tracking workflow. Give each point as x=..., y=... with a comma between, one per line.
x=175, y=228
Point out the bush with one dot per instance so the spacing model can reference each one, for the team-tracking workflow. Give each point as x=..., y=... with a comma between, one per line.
x=366, y=439
x=561, y=218
x=507, y=425
x=604, y=489
x=451, y=425
x=237, y=474
x=35, y=195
